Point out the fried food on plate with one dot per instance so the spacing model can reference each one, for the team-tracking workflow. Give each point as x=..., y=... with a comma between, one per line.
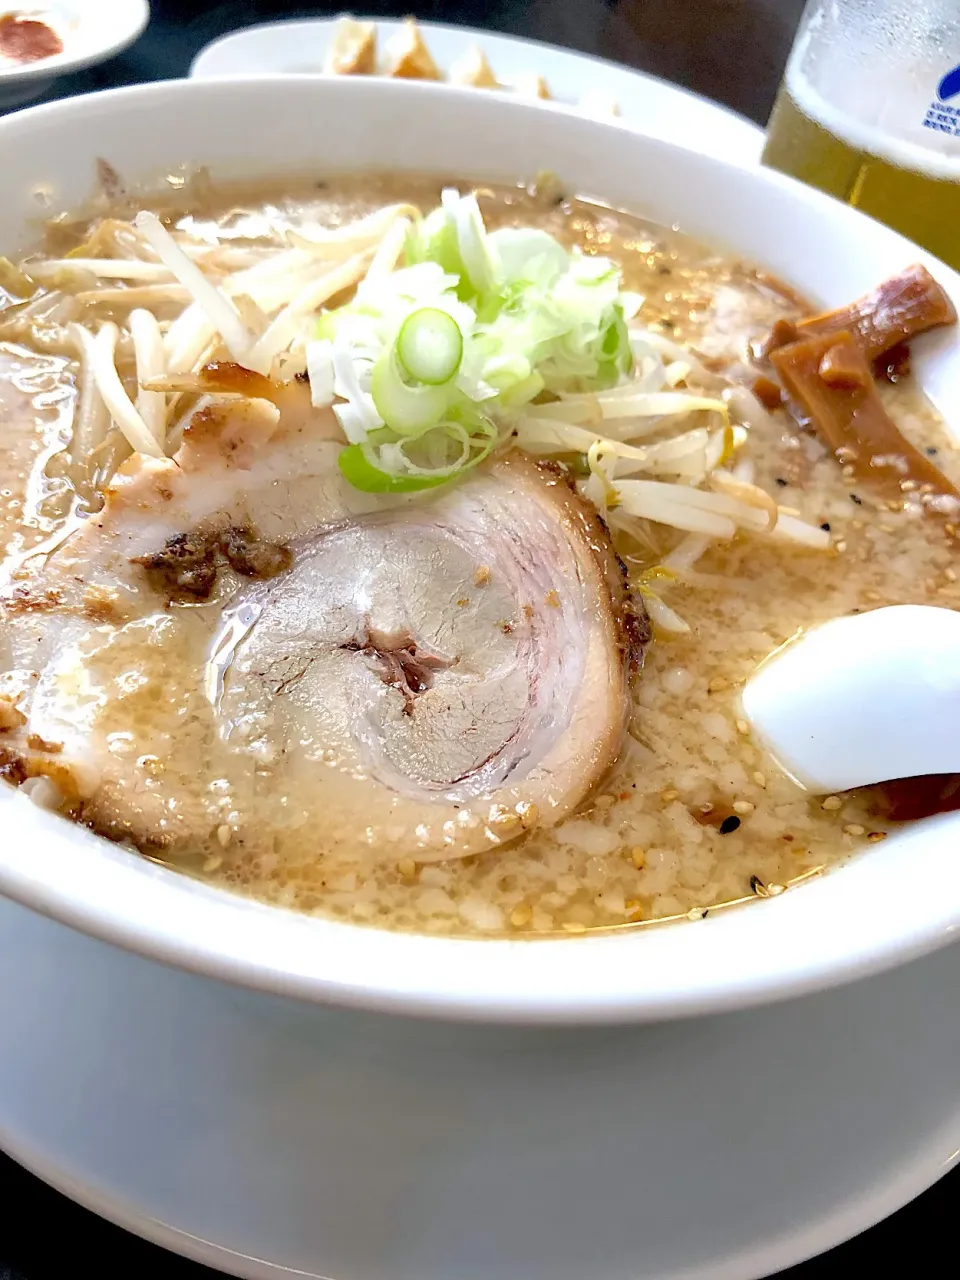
x=354, y=49
x=407, y=57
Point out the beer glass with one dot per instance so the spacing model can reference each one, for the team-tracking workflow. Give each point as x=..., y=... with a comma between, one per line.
x=869, y=111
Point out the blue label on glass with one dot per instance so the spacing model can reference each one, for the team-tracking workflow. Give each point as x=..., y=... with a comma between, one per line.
x=949, y=86
x=942, y=116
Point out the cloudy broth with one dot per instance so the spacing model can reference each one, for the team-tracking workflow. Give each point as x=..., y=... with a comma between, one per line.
x=693, y=815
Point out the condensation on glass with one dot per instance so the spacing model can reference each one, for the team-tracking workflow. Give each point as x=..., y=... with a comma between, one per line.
x=869, y=111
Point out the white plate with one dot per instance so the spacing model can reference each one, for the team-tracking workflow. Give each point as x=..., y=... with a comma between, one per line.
x=254, y=1134
x=91, y=31
x=654, y=106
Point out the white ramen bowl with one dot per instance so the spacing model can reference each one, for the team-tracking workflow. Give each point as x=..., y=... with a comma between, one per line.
x=898, y=900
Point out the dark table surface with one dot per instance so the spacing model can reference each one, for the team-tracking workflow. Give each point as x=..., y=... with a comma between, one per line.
x=730, y=50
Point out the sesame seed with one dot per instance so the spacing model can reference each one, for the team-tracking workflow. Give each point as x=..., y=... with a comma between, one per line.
x=529, y=813
x=853, y=829
x=407, y=868
x=760, y=779
x=717, y=684
x=832, y=803
x=729, y=825
x=950, y=575
x=224, y=835
x=638, y=857
x=743, y=726
x=877, y=836
x=501, y=816
x=213, y=863
x=520, y=916
x=574, y=926
x=774, y=890
x=669, y=796
x=743, y=807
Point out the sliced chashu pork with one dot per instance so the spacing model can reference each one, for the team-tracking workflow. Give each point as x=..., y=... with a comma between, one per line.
x=241, y=642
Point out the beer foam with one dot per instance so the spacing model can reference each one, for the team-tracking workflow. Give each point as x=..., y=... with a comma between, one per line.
x=877, y=142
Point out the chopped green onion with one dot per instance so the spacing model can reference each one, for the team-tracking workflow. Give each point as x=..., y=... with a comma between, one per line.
x=430, y=346
x=357, y=466
x=616, y=354
x=463, y=213
x=386, y=467
x=528, y=256
x=435, y=240
x=520, y=393
x=408, y=410
x=429, y=360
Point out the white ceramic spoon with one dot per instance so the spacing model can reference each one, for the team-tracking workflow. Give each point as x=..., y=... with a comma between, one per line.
x=863, y=699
